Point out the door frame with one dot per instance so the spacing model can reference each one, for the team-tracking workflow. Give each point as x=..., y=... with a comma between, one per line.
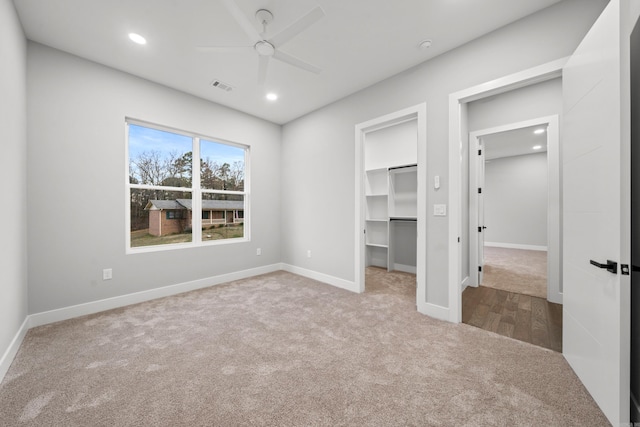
x=419, y=113
x=554, y=201
x=458, y=138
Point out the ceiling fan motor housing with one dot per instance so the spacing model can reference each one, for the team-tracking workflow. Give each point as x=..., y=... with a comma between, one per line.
x=264, y=48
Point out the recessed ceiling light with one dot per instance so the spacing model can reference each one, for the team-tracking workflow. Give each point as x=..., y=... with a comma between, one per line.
x=538, y=131
x=537, y=147
x=137, y=38
x=425, y=44
x=272, y=96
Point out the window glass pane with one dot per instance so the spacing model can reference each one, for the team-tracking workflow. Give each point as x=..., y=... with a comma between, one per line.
x=160, y=217
x=221, y=166
x=225, y=216
x=159, y=157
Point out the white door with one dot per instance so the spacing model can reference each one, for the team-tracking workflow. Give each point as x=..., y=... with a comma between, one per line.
x=481, y=226
x=596, y=196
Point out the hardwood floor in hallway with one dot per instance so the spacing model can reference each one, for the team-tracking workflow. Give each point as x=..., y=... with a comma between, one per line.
x=521, y=317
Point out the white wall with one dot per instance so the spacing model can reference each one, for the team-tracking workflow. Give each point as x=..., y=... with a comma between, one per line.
x=515, y=200
x=13, y=173
x=318, y=149
x=76, y=178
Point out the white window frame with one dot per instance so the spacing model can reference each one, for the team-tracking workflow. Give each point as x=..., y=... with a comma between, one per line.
x=195, y=190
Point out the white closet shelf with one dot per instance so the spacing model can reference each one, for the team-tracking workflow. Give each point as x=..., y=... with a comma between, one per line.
x=376, y=219
x=376, y=245
x=377, y=195
x=376, y=170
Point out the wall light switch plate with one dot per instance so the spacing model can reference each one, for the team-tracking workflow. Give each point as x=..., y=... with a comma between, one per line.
x=107, y=274
x=436, y=182
x=439, y=210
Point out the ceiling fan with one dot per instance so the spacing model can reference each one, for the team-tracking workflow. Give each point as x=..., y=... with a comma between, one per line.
x=269, y=47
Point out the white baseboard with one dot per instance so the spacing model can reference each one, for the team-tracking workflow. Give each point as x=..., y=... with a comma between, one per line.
x=66, y=313
x=321, y=277
x=465, y=283
x=405, y=268
x=435, y=311
x=516, y=246
x=635, y=408
x=12, y=350
x=554, y=297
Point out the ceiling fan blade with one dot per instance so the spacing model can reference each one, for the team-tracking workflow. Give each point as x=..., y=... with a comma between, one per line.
x=263, y=62
x=297, y=27
x=239, y=48
x=292, y=60
x=243, y=21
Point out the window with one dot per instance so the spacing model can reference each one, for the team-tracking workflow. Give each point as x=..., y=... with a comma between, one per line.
x=174, y=215
x=180, y=188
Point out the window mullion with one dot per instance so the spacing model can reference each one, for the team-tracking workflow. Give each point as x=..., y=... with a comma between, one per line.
x=196, y=203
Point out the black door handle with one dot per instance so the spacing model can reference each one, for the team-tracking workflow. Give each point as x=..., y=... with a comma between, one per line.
x=611, y=266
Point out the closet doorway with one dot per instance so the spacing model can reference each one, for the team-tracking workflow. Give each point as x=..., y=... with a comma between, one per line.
x=391, y=202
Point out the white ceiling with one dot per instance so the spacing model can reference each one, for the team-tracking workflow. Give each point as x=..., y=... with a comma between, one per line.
x=356, y=44
x=515, y=142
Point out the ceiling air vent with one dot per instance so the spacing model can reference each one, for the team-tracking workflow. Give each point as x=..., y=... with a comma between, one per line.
x=222, y=85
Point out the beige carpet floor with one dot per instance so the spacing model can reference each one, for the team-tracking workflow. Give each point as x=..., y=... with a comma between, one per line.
x=282, y=350
x=516, y=270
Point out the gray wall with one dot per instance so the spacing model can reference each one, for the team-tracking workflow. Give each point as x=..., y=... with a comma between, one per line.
x=515, y=200
x=318, y=150
x=76, y=178
x=530, y=102
x=13, y=173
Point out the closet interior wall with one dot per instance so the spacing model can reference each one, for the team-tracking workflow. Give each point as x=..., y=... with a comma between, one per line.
x=390, y=163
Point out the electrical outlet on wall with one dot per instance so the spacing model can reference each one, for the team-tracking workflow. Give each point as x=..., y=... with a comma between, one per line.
x=259, y=251
x=107, y=274
x=309, y=253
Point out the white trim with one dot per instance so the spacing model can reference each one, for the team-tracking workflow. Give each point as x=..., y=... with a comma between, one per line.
x=92, y=307
x=466, y=283
x=435, y=311
x=457, y=122
x=405, y=268
x=12, y=350
x=195, y=190
x=321, y=277
x=516, y=246
x=419, y=113
x=531, y=76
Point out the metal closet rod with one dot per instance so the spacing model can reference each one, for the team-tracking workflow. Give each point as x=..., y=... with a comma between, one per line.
x=403, y=166
x=403, y=219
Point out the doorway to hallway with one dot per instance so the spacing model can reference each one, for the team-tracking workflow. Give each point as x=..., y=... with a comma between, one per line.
x=522, y=317
x=519, y=271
